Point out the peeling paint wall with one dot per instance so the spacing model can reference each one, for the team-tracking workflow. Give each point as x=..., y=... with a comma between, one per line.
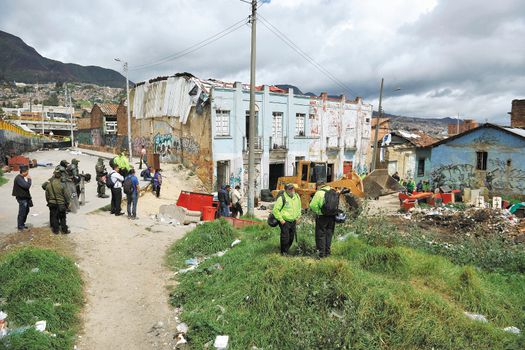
x=345, y=123
x=455, y=163
x=12, y=144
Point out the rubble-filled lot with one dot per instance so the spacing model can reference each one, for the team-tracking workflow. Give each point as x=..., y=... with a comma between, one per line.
x=469, y=222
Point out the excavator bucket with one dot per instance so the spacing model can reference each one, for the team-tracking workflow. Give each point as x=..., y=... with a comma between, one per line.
x=379, y=183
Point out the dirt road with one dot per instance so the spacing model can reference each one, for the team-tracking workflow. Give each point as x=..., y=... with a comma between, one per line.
x=126, y=280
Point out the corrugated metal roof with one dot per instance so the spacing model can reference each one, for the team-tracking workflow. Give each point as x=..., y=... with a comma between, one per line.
x=517, y=131
x=108, y=108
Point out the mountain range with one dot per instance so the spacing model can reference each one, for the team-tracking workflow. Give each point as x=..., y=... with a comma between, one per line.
x=22, y=63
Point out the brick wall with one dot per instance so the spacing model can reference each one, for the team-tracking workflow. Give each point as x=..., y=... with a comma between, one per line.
x=517, y=116
x=122, y=120
x=97, y=117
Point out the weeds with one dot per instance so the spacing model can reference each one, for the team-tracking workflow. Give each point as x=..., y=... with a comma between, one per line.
x=372, y=293
x=38, y=284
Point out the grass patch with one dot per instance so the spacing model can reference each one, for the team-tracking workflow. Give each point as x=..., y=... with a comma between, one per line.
x=370, y=294
x=3, y=180
x=207, y=238
x=38, y=284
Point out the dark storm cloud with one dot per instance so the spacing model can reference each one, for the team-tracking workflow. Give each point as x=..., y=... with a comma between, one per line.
x=447, y=56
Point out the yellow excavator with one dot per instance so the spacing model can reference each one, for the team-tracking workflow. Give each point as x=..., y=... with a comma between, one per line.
x=307, y=175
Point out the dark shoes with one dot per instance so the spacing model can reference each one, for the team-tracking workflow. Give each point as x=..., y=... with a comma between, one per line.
x=66, y=232
x=103, y=196
x=119, y=214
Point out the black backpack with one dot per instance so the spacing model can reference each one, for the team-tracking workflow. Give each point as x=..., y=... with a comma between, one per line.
x=272, y=221
x=331, y=203
x=109, y=181
x=127, y=185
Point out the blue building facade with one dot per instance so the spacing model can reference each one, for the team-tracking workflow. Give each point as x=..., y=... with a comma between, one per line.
x=489, y=156
x=289, y=128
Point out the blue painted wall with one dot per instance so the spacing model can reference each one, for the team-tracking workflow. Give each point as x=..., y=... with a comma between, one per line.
x=454, y=163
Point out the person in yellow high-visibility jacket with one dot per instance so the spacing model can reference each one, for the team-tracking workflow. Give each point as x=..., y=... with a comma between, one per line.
x=287, y=209
x=123, y=163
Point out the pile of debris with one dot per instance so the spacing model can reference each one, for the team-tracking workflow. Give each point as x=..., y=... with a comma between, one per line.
x=475, y=222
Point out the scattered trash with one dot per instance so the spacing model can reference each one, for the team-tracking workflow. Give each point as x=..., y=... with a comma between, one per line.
x=221, y=342
x=36, y=269
x=337, y=313
x=35, y=214
x=40, y=326
x=192, y=261
x=221, y=253
x=476, y=317
x=513, y=330
x=182, y=328
x=180, y=340
x=193, y=267
x=3, y=324
x=234, y=243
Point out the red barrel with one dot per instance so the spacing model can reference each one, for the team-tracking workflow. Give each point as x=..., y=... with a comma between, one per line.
x=208, y=213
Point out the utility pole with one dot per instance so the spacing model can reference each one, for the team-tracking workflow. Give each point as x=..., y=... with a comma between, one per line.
x=251, y=131
x=127, y=109
x=457, y=125
x=71, y=111
x=376, y=133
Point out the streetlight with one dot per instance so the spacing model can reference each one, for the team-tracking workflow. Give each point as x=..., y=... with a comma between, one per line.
x=127, y=109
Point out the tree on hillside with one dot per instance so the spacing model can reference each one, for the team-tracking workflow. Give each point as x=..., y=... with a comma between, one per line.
x=52, y=100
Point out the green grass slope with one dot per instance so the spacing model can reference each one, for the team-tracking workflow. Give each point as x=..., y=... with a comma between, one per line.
x=35, y=285
x=370, y=294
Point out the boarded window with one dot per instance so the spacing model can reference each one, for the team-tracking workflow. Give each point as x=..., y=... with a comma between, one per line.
x=421, y=167
x=222, y=123
x=300, y=120
x=481, y=163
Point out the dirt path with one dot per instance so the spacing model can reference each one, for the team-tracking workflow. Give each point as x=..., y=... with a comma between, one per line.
x=123, y=265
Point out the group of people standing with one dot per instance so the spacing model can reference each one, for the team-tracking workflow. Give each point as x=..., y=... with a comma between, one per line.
x=410, y=184
x=230, y=201
x=287, y=211
x=61, y=190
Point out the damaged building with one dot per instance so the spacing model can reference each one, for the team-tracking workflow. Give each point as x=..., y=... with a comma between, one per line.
x=407, y=153
x=204, y=123
x=489, y=156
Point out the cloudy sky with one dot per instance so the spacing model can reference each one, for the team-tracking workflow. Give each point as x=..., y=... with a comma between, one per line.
x=445, y=56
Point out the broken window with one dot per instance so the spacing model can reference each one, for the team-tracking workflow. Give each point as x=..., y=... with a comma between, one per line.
x=421, y=167
x=481, y=162
x=222, y=123
x=300, y=120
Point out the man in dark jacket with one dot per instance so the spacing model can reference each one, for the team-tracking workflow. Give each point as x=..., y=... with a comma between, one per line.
x=57, y=201
x=21, y=186
x=224, y=201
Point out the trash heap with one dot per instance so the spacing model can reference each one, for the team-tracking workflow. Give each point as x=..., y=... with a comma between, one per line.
x=475, y=222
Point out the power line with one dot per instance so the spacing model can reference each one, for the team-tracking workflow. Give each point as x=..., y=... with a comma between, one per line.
x=303, y=54
x=194, y=47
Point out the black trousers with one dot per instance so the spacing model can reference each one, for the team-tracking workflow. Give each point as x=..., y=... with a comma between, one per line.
x=57, y=218
x=237, y=209
x=324, y=230
x=288, y=232
x=116, y=200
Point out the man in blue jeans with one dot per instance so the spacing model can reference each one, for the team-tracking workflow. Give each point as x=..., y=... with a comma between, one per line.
x=134, y=196
x=21, y=186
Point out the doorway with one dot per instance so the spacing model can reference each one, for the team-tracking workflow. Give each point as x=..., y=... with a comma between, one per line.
x=276, y=171
x=223, y=169
x=330, y=172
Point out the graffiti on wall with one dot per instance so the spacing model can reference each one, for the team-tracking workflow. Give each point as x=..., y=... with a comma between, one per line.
x=162, y=144
x=96, y=137
x=235, y=177
x=454, y=175
x=500, y=176
x=138, y=142
x=167, y=144
x=84, y=138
